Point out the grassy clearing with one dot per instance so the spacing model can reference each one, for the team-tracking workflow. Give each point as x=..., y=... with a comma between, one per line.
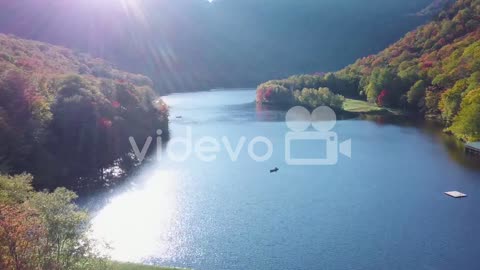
x=361, y=106
x=133, y=266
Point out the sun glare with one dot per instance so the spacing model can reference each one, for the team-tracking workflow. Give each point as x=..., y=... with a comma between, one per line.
x=142, y=221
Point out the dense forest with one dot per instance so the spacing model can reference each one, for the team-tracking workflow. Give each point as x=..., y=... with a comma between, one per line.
x=66, y=117
x=433, y=70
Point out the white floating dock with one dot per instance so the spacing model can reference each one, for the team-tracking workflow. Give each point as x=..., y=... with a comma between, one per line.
x=456, y=194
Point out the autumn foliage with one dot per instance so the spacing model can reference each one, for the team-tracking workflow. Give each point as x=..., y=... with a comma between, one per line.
x=431, y=70
x=41, y=230
x=274, y=93
x=22, y=236
x=65, y=115
x=382, y=98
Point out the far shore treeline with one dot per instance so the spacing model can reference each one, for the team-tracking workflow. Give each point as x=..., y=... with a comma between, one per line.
x=433, y=71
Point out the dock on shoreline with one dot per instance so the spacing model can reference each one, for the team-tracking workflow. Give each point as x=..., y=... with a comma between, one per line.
x=473, y=148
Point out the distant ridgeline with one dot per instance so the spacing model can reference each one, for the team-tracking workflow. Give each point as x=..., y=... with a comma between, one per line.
x=433, y=70
x=66, y=117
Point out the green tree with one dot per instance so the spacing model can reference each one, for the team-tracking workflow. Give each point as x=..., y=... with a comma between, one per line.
x=313, y=98
x=15, y=189
x=67, y=243
x=76, y=132
x=451, y=100
x=381, y=78
x=432, y=100
x=416, y=94
x=466, y=124
x=40, y=230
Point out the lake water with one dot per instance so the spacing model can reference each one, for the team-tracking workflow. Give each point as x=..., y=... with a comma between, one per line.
x=383, y=208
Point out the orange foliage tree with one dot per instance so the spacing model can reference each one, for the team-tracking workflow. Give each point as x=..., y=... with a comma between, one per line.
x=22, y=238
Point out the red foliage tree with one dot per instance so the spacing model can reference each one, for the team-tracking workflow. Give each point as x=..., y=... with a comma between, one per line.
x=268, y=93
x=382, y=98
x=116, y=104
x=264, y=93
x=427, y=64
x=105, y=122
x=260, y=93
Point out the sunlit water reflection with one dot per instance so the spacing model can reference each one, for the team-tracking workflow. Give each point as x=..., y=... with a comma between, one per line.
x=129, y=230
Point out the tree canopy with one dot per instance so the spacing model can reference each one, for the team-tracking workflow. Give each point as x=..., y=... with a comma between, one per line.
x=41, y=230
x=66, y=117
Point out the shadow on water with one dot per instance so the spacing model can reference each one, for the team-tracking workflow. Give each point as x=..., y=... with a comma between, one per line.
x=114, y=186
x=454, y=147
x=434, y=129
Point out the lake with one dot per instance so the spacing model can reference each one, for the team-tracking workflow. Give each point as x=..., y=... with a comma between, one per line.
x=383, y=208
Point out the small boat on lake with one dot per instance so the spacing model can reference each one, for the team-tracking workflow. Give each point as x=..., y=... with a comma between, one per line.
x=274, y=170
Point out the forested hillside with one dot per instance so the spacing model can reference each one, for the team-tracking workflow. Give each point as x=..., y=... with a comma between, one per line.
x=66, y=117
x=433, y=70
